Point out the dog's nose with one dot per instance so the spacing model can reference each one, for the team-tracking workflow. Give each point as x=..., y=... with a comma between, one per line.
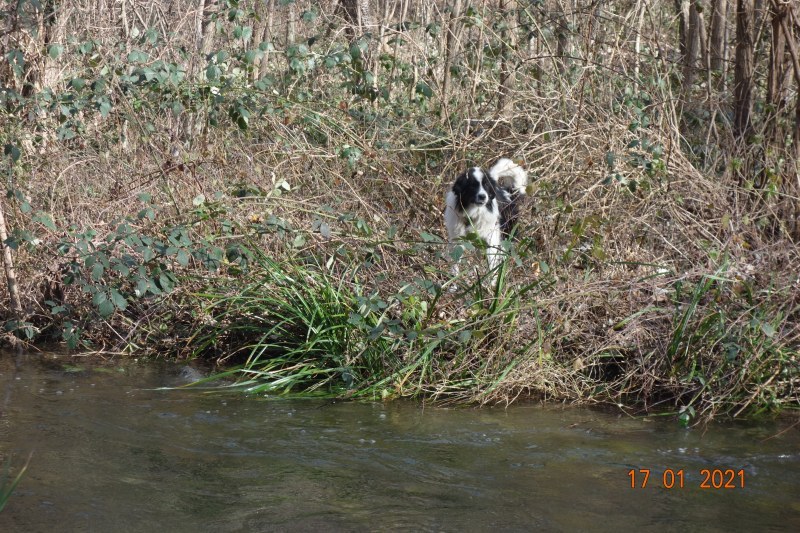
x=482, y=197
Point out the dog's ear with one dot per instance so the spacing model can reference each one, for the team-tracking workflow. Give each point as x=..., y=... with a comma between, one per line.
x=460, y=183
x=490, y=185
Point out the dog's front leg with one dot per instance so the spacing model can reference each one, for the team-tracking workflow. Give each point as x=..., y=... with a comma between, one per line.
x=494, y=254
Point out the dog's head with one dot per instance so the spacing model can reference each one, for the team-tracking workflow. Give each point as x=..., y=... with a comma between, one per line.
x=474, y=188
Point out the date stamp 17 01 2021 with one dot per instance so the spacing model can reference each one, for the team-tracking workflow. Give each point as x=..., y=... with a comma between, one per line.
x=710, y=478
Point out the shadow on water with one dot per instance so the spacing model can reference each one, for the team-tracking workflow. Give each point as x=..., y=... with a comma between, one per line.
x=112, y=453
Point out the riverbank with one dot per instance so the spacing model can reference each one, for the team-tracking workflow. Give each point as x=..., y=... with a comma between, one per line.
x=283, y=217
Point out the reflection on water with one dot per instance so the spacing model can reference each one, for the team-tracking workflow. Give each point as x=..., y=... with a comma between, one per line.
x=113, y=454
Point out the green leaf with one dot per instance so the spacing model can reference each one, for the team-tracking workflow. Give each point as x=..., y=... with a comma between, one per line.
x=297, y=65
x=12, y=151
x=241, y=116
x=166, y=282
x=121, y=268
x=299, y=241
x=77, y=83
x=141, y=287
x=97, y=271
x=55, y=50
x=424, y=89
x=183, y=258
x=243, y=32
x=251, y=56
x=105, y=108
x=99, y=297
x=65, y=133
x=325, y=230
x=17, y=61
x=71, y=334
x=106, y=308
x=137, y=56
x=45, y=220
x=768, y=330
x=119, y=300
x=212, y=72
x=310, y=15
x=151, y=35
x=610, y=160
x=86, y=47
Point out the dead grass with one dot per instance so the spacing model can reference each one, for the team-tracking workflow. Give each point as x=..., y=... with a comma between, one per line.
x=622, y=226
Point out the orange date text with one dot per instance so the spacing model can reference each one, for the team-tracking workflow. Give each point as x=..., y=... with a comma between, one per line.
x=714, y=478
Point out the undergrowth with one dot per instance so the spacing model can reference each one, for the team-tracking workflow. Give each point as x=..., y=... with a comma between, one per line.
x=276, y=207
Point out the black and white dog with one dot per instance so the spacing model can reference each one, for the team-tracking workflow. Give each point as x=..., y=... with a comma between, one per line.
x=484, y=202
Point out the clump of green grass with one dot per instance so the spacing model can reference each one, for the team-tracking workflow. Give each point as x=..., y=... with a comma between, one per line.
x=7, y=484
x=301, y=327
x=292, y=324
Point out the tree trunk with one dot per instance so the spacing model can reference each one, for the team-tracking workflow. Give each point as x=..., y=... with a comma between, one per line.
x=359, y=14
x=692, y=48
x=208, y=26
x=777, y=67
x=743, y=73
x=366, y=18
x=792, y=43
x=291, y=15
x=8, y=264
x=396, y=51
x=450, y=47
x=507, y=9
x=682, y=10
x=563, y=44
x=55, y=23
x=264, y=34
x=717, y=44
x=476, y=76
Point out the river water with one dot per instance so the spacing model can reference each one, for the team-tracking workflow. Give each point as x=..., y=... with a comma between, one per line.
x=111, y=452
